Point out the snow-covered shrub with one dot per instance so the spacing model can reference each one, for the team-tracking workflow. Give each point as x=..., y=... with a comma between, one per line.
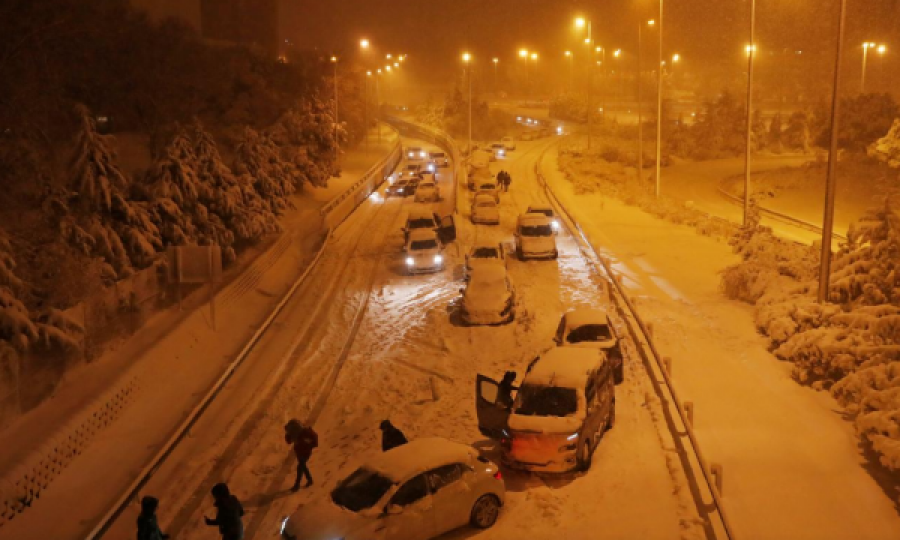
x=274, y=178
x=308, y=140
x=887, y=148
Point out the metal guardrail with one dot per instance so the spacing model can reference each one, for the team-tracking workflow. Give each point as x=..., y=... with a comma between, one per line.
x=339, y=208
x=790, y=220
x=648, y=353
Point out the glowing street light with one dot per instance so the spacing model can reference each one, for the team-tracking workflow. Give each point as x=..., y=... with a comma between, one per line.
x=387, y=68
x=364, y=43
x=396, y=64
x=617, y=53
x=388, y=56
x=334, y=59
x=750, y=49
x=580, y=22
x=495, y=60
x=651, y=22
x=676, y=58
x=467, y=59
x=567, y=54
x=881, y=49
x=534, y=56
x=523, y=53
x=368, y=73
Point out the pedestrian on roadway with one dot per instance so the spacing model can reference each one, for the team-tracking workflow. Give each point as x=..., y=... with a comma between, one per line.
x=304, y=440
x=228, y=513
x=508, y=181
x=148, y=527
x=505, y=390
x=391, y=436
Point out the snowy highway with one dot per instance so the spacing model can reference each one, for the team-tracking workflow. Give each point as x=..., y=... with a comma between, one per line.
x=312, y=365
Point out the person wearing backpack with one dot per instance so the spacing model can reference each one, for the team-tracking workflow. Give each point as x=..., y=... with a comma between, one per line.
x=304, y=440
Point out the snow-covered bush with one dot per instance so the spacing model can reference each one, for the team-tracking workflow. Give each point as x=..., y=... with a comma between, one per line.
x=275, y=179
x=887, y=148
x=308, y=141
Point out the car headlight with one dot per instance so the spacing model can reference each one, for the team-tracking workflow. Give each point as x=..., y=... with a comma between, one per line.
x=438, y=259
x=411, y=154
x=555, y=225
x=399, y=190
x=410, y=261
x=421, y=154
x=571, y=443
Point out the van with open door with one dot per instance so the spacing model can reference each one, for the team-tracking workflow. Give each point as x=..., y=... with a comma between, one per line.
x=565, y=404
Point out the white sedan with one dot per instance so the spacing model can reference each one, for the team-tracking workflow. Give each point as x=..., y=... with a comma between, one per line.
x=427, y=192
x=485, y=209
x=417, y=491
x=484, y=254
x=424, y=252
x=489, y=296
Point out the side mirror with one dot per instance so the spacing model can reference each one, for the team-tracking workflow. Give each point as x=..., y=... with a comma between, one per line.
x=393, y=510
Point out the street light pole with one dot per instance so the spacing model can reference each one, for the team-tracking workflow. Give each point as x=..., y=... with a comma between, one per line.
x=828, y=218
x=862, y=82
x=659, y=100
x=467, y=59
x=640, y=105
x=366, y=106
x=751, y=52
x=337, y=150
x=496, y=61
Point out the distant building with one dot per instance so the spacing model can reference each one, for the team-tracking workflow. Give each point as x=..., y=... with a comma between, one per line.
x=248, y=22
x=187, y=11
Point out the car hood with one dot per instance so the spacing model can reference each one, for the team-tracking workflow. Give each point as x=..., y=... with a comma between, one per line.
x=423, y=253
x=538, y=243
x=325, y=520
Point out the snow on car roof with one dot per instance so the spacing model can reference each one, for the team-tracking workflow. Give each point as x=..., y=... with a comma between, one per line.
x=418, y=456
x=533, y=218
x=583, y=316
x=420, y=213
x=422, y=234
x=535, y=207
x=485, y=243
x=565, y=366
x=484, y=197
x=487, y=273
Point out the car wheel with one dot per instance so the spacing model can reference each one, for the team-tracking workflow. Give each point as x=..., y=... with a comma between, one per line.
x=611, y=421
x=583, y=459
x=555, y=254
x=619, y=374
x=485, y=511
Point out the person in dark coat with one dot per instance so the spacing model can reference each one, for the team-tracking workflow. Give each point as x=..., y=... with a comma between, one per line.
x=304, y=440
x=228, y=513
x=507, y=180
x=147, y=526
x=391, y=437
x=505, y=389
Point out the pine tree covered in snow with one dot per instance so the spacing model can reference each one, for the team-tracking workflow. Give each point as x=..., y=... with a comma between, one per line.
x=275, y=179
x=16, y=326
x=887, y=148
x=95, y=215
x=309, y=141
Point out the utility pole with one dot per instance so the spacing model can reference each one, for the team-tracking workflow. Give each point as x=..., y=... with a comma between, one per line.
x=751, y=52
x=659, y=87
x=640, y=105
x=828, y=221
x=590, y=86
x=337, y=151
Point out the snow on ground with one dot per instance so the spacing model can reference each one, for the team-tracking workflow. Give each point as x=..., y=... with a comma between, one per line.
x=174, y=360
x=409, y=337
x=792, y=467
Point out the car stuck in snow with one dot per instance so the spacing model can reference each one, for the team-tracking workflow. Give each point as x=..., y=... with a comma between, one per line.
x=535, y=237
x=489, y=296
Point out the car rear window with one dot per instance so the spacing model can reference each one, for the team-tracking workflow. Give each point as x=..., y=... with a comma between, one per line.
x=486, y=253
x=424, y=223
x=589, y=332
x=546, y=211
x=537, y=230
x=535, y=400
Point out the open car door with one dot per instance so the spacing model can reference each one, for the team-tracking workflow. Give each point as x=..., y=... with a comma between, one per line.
x=492, y=417
x=447, y=230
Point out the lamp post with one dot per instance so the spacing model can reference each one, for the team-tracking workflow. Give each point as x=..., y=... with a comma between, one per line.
x=467, y=59
x=659, y=101
x=580, y=22
x=751, y=53
x=337, y=152
x=496, y=61
x=880, y=49
x=828, y=218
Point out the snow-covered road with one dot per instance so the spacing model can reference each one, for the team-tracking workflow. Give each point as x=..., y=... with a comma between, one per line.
x=406, y=340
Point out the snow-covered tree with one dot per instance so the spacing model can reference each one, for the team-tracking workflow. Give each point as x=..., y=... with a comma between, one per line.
x=887, y=148
x=775, y=133
x=309, y=142
x=274, y=178
x=797, y=136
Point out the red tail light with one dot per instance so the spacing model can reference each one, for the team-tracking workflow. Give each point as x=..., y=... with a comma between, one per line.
x=498, y=476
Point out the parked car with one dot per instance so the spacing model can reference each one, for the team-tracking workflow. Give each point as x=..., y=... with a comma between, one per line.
x=535, y=238
x=488, y=186
x=565, y=404
x=485, y=209
x=489, y=296
x=547, y=210
x=417, y=491
x=424, y=218
x=427, y=191
x=410, y=170
x=590, y=328
x=424, y=252
x=483, y=254
x=509, y=143
x=440, y=159
x=400, y=188
x=498, y=149
x=415, y=153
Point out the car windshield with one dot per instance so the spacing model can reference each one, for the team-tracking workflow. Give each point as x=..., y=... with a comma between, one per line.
x=421, y=223
x=488, y=187
x=487, y=204
x=537, y=230
x=412, y=167
x=437, y=155
x=589, y=332
x=422, y=244
x=546, y=211
x=360, y=490
x=486, y=253
x=534, y=400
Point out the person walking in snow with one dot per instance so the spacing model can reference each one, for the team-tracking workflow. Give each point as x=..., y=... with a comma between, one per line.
x=391, y=437
x=228, y=513
x=148, y=527
x=507, y=180
x=505, y=390
x=304, y=440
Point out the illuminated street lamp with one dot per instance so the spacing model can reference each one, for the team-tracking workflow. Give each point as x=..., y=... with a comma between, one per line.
x=676, y=58
x=750, y=50
x=387, y=68
x=337, y=154
x=640, y=104
x=617, y=53
x=523, y=53
x=364, y=43
x=396, y=64
x=534, y=56
x=880, y=49
x=496, y=61
x=467, y=60
x=581, y=22
x=388, y=56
